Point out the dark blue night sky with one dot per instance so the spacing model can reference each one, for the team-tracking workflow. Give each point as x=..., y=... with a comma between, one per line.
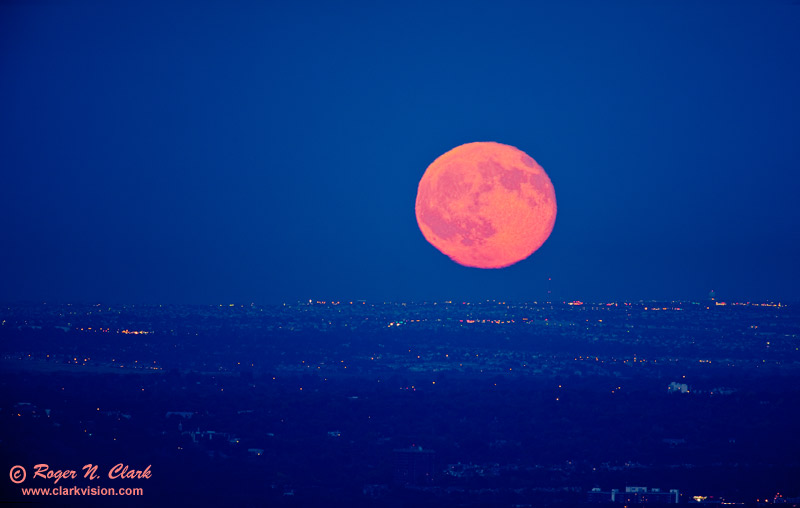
x=209, y=152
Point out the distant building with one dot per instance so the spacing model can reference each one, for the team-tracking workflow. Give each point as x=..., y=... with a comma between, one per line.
x=678, y=387
x=413, y=466
x=179, y=414
x=634, y=495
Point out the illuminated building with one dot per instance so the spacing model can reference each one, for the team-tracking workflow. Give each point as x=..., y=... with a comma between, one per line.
x=413, y=466
x=634, y=495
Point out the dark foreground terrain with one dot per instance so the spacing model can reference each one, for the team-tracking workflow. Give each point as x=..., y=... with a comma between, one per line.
x=322, y=405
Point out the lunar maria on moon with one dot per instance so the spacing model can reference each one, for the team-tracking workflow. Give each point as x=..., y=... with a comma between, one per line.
x=486, y=205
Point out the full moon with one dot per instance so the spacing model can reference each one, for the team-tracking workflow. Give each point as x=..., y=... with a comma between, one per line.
x=486, y=205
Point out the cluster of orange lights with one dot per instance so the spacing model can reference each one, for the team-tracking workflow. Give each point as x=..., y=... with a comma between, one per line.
x=468, y=321
x=490, y=321
x=107, y=330
x=324, y=302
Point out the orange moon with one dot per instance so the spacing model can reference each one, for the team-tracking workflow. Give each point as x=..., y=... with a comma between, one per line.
x=486, y=205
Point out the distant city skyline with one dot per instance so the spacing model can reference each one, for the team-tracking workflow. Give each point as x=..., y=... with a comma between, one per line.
x=377, y=300
x=442, y=404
